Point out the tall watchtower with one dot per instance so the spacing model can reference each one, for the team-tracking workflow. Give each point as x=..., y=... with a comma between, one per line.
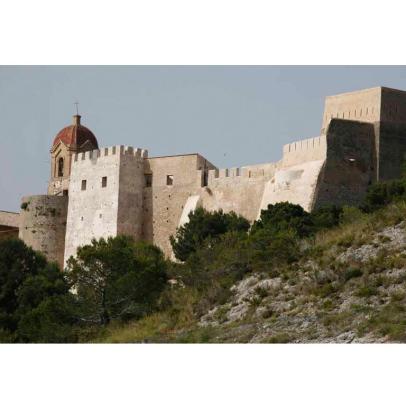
x=385, y=110
x=70, y=140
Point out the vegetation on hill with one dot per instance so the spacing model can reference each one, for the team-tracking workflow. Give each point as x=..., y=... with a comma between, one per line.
x=204, y=226
x=35, y=302
x=113, y=279
x=333, y=275
x=116, y=279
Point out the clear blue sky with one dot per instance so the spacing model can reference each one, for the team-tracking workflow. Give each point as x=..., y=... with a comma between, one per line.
x=231, y=115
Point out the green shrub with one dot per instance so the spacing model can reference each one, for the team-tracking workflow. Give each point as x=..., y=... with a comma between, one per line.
x=287, y=216
x=269, y=249
x=352, y=273
x=281, y=338
x=261, y=292
x=382, y=193
x=117, y=278
x=284, y=216
x=32, y=292
x=389, y=321
x=204, y=225
x=351, y=214
x=367, y=291
x=326, y=217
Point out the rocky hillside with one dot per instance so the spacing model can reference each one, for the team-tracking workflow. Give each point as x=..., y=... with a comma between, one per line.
x=349, y=287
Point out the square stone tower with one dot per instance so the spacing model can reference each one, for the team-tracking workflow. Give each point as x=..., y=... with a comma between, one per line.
x=105, y=196
x=385, y=109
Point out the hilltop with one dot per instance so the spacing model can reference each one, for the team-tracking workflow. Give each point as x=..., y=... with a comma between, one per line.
x=348, y=286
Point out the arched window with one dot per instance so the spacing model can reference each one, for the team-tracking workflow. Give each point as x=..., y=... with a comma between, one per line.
x=60, y=167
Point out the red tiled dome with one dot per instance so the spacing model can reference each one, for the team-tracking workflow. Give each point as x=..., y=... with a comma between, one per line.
x=76, y=135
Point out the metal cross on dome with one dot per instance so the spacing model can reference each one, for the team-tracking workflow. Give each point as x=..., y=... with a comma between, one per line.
x=77, y=107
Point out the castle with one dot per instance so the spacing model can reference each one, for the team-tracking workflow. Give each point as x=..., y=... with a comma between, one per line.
x=99, y=192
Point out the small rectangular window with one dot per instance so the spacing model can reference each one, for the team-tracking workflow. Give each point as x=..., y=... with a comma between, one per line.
x=65, y=192
x=169, y=180
x=84, y=184
x=148, y=179
x=104, y=181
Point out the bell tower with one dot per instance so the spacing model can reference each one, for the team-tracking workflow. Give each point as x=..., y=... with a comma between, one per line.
x=69, y=141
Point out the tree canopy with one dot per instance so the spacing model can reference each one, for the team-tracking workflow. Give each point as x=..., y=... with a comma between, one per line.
x=35, y=302
x=203, y=225
x=116, y=278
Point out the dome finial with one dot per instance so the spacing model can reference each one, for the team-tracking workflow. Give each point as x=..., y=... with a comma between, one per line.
x=76, y=117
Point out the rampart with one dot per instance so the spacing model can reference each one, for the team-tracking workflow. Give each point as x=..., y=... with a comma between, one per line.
x=349, y=168
x=43, y=224
x=311, y=149
x=172, y=180
x=9, y=224
x=9, y=219
x=109, y=151
x=363, y=105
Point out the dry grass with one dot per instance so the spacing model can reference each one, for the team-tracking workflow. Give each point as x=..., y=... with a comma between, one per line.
x=159, y=326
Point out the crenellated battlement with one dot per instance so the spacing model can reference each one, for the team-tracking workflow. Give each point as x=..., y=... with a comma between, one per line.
x=224, y=173
x=310, y=149
x=110, y=151
x=304, y=145
x=241, y=173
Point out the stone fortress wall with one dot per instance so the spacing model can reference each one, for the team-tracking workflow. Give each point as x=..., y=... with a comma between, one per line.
x=383, y=107
x=363, y=105
x=9, y=224
x=362, y=140
x=43, y=224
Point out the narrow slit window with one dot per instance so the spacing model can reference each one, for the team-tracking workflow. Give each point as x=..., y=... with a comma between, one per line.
x=84, y=182
x=148, y=179
x=60, y=167
x=104, y=181
x=169, y=180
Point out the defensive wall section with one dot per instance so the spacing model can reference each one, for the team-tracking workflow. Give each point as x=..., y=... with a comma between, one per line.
x=169, y=182
x=391, y=149
x=363, y=105
x=383, y=107
x=43, y=224
x=250, y=189
x=349, y=167
x=9, y=224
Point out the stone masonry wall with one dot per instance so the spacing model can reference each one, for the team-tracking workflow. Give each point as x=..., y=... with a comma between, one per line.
x=43, y=225
x=9, y=224
x=393, y=106
x=130, y=195
x=164, y=203
x=237, y=189
x=299, y=152
x=94, y=212
x=9, y=219
x=392, y=150
x=349, y=167
x=363, y=105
